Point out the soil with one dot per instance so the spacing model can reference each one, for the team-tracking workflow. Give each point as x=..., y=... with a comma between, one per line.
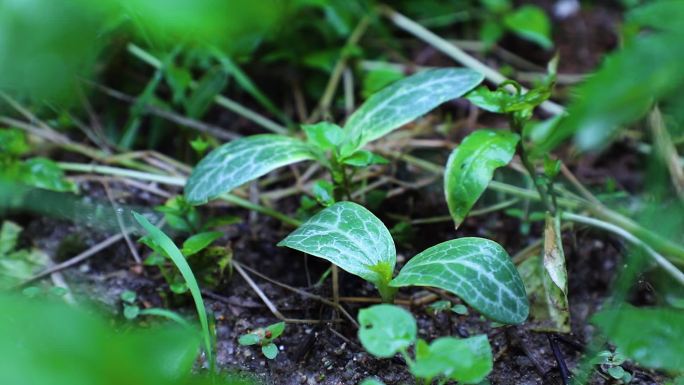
x=329, y=353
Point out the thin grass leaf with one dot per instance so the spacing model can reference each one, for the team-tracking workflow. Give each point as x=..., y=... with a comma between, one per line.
x=172, y=251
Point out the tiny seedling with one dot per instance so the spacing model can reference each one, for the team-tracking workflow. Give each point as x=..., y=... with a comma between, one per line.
x=264, y=337
x=611, y=364
x=446, y=306
x=477, y=270
x=528, y=21
x=131, y=310
x=386, y=330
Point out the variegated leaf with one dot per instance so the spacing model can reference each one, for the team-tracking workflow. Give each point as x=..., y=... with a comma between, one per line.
x=240, y=161
x=404, y=101
x=352, y=238
x=477, y=270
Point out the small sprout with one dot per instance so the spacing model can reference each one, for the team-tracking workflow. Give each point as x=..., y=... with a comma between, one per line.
x=264, y=337
x=387, y=330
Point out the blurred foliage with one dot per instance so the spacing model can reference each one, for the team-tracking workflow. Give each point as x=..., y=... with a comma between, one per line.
x=17, y=264
x=50, y=343
x=646, y=70
x=38, y=172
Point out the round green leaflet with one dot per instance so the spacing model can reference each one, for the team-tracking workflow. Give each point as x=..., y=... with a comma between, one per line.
x=478, y=270
x=386, y=330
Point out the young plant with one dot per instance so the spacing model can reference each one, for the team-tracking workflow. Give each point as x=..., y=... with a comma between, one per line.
x=386, y=330
x=264, y=337
x=477, y=270
x=166, y=245
x=336, y=148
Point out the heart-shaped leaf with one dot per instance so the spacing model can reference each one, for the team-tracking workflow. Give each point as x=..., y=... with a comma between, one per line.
x=404, y=101
x=471, y=166
x=467, y=360
x=477, y=270
x=240, y=161
x=386, y=330
x=352, y=238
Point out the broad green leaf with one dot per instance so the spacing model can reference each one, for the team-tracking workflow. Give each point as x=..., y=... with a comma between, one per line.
x=270, y=351
x=166, y=244
x=477, y=270
x=352, y=238
x=650, y=336
x=531, y=23
x=471, y=166
x=44, y=173
x=240, y=161
x=555, y=276
x=128, y=296
x=386, y=330
x=249, y=339
x=467, y=360
x=276, y=329
x=323, y=135
x=199, y=242
x=404, y=101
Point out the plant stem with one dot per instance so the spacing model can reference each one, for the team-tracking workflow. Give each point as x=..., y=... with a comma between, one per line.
x=657, y=258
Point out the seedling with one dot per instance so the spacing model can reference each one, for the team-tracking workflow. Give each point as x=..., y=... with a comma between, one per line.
x=611, y=364
x=477, y=270
x=264, y=337
x=386, y=330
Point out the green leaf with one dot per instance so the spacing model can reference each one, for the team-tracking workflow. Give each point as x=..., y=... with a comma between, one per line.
x=128, y=296
x=9, y=235
x=471, y=167
x=478, y=270
x=323, y=191
x=270, y=351
x=13, y=142
x=323, y=135
x=131, y=312
x=276, y=329
x=203, y=95
x=467, y=361
x=609, y=100
x=530, y=22
x=241, y=161
x=386, y=330
x=199, y=242
x=352, y=238
x=649, y=336
x=249, y=339
x=363, y=158
x=404, y=101
x=616, y=372
x=170, y=249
